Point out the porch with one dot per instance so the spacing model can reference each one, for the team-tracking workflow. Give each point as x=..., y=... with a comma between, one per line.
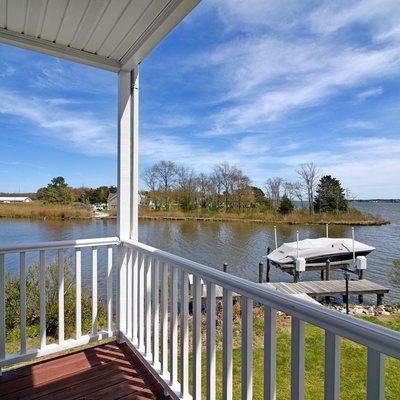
x=148, y=292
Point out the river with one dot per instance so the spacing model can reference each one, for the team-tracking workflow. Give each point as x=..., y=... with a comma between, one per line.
x=240, y=244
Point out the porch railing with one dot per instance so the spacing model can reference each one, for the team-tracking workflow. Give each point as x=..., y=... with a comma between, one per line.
x=154, y=290
x=38, y=253
x=160, y=293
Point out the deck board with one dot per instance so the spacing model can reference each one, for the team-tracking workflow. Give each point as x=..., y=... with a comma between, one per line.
x=328, y=288
x=109, y=372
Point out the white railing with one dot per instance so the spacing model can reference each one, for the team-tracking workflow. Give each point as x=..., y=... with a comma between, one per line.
x=38, y=252
x=158, y=281
x=153, y=294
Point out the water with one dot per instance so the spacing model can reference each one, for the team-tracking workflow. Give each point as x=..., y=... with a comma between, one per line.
x=242, y=245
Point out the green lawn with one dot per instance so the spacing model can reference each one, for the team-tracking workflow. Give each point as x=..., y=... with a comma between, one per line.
x=353, y=363
x=353, y=359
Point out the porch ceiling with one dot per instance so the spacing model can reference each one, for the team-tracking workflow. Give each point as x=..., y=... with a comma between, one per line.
x=110, y=34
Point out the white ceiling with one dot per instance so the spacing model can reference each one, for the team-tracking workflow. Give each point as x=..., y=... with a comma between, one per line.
x=110, y=34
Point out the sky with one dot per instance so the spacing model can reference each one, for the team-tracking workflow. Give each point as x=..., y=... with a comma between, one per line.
x=263, y=85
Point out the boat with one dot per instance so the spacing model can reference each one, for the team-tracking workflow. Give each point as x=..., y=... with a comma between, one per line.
x=317, y=251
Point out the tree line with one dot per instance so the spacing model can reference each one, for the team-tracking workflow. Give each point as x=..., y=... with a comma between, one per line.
x=59, y=192
x=227, y=188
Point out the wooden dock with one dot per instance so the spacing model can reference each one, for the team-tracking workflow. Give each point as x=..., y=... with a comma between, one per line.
x=323, y=288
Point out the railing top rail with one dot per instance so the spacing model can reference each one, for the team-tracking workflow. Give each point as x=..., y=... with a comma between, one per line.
x=368, y=334
x=63, y=244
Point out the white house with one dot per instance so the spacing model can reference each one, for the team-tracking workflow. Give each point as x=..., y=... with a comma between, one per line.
x=15, y=199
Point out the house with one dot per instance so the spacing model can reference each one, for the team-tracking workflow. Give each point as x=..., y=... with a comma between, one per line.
x=112, y=201
x=15, y=199
x=151, y=286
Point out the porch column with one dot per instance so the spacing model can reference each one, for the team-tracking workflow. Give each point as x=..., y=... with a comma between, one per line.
x=127, y=209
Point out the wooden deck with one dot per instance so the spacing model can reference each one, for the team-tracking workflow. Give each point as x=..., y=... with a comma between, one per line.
x=110, y=371
x=328, y=288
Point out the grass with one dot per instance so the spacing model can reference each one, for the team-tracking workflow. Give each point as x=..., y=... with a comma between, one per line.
x=353, y=359
x=44, y=211
x=353, y=217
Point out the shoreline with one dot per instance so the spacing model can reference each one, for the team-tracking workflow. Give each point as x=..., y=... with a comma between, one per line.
x=261, y=221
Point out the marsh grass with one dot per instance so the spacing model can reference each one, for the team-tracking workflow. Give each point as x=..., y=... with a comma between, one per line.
x=44, y=211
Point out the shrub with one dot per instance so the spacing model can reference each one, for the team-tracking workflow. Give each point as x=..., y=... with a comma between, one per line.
x=395, y=273
x=286, y=206
x=33, y=301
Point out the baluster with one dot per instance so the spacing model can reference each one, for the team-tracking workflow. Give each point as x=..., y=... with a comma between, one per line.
x=42, y=262
x=22, y=288
x=174, y=326
x=141, y=302
x=227, y=345
x=184, y=334
x=164, y=318
x=196, y=338
x=211, y=377
x=109, y=288
x=148, y=305
x=60, y=296
x=135, y=294
x=247, y=348
x=128, y=285
x=156, y=312
x=297, y=353
x=2, y=311
x=332, y=366
x=375, y=375
x=94, y=290
x=78, y=292
x=269, y=353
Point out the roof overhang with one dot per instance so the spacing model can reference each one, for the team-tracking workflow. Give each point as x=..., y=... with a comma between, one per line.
x=110, y=34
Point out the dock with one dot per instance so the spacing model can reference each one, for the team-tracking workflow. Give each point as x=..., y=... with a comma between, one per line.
x=330, y=288
x=322, y=288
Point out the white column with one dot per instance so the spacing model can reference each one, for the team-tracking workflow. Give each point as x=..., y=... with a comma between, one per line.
x=127, y=211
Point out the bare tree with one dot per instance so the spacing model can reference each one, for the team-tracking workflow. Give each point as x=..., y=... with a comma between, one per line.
x=273, y=188
x=187, y=183
x=166, y=172
x=309, y=174
x=150, y=178
x=293, y=190
x=223, y=177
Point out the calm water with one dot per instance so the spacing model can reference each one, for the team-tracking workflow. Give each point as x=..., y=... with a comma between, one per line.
x=241, y=245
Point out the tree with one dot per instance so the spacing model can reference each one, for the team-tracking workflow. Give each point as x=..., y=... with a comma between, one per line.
x=286, y=205
x=150, y=177
x=330, y=195
x=187, y=188
x=273, y=188
x=309, y=174
x=57, y=191
x=260, y=199
x=166, y=172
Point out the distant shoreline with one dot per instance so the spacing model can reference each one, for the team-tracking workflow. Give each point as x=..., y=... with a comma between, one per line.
x=73, y=212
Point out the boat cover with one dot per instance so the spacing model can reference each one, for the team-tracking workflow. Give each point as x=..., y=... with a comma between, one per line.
x=317, y=248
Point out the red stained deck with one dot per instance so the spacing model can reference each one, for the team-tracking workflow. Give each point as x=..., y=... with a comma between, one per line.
x=110, y=371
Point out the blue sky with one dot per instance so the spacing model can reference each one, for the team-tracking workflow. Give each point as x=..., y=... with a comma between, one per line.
x=264, y=85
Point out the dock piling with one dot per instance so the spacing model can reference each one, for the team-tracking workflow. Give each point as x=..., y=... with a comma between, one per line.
x=268, y=265
x=225, y=267
x=260, y=272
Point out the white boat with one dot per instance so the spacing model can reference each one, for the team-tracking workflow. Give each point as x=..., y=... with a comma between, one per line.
x=317, y=251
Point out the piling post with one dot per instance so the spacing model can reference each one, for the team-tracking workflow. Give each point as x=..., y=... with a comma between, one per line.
x=268, y=265
x=346, y=277
x=260, y=272
x=225, y=267
x=327, y=277
x=361, y=263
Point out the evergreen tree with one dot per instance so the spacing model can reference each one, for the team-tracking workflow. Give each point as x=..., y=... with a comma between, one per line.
x=57, y=191
x=330, y=195
x=286, y=205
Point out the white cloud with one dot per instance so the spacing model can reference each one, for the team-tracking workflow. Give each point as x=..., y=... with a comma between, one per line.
x=81, y=131
x=374, y=92
x=272, y=70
